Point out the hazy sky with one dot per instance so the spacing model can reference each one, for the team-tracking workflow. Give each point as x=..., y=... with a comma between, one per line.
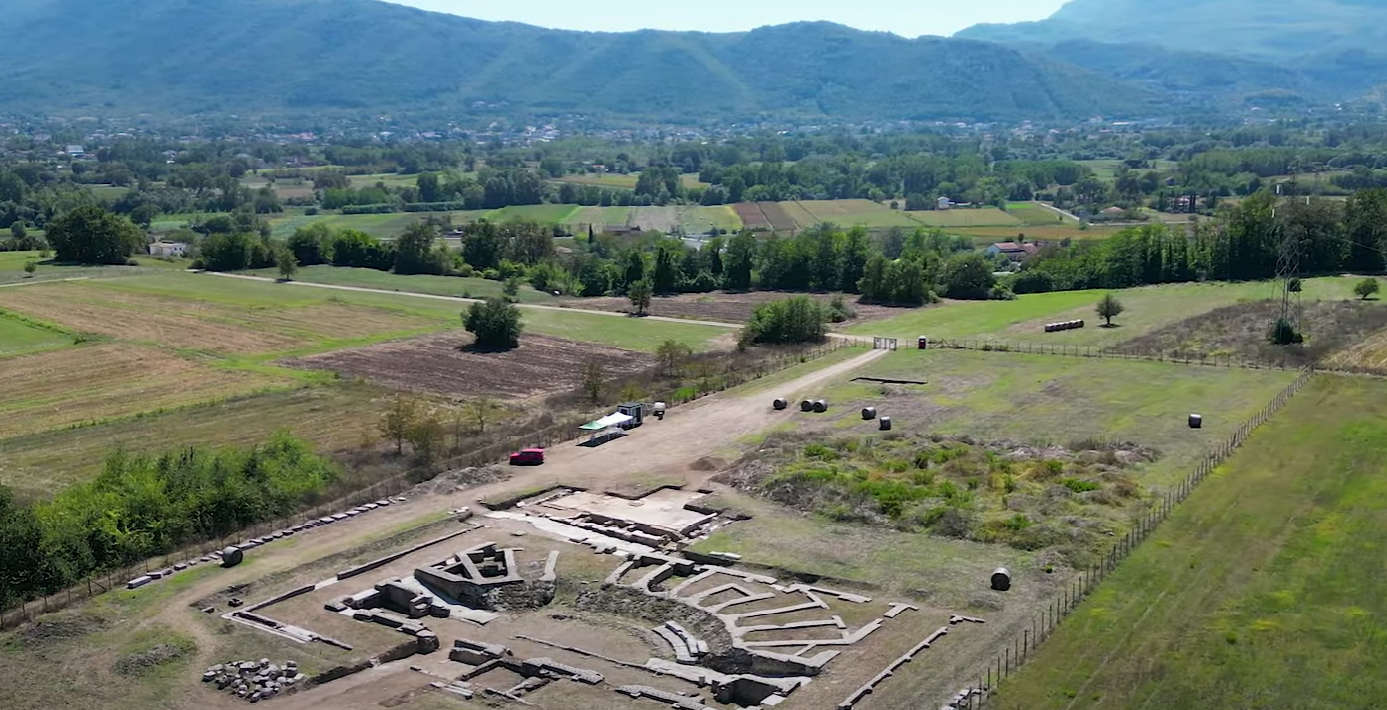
x=909, y=18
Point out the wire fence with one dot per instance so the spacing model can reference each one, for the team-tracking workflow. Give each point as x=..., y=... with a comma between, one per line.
x=1020, y=649
x=1090, y=351
x=553, y=435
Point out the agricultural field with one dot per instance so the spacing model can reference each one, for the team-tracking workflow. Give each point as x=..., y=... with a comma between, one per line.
x=456, y=286
x=448, y=365
x=1034, y=214
x=20, y=335
x=336, y=417
x=544, y=214
x=599, y=217
x=622, y=181
x=734, y=308
x=1148, y=308
x=853, y=213
x=1255, y=592
x=12, y=268
x=964, y=217
x=381, y=226
x=98, y=382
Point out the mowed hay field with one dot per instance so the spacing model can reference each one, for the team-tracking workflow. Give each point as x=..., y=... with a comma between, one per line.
x=1262, y=590
x=125, y=309
x=1041, y=399
x=95, y=382
x=19, y=336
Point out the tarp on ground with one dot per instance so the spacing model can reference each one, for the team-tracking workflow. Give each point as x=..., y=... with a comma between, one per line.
x=610, y=420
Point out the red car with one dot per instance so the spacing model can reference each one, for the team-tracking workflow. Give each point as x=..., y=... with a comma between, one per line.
x=527, y=457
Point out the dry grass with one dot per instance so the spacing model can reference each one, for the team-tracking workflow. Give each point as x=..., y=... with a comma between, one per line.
x=188, y=323
x=337, y=419
x=68, y=387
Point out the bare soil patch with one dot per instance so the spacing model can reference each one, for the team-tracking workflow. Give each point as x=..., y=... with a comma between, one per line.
x=723, y=306
x=1239, y=333
x=446, y=364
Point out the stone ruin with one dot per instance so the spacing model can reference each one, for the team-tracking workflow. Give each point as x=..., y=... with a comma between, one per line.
x=254, y=681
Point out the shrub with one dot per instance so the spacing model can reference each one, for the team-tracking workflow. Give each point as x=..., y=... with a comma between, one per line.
x=1079, y=485
x=494, y=322
x=1366, y=288
x=1283, y=333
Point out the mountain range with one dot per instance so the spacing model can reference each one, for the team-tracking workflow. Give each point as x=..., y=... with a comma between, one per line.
x=217, y=57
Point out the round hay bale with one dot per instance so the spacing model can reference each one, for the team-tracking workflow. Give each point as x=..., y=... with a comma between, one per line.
x=869, y=413
x=806, y=406
x=231, y=556
x=820, y=406
x=1001, y=579
x=885, y=424
x=1196, y=421
x=779, y=404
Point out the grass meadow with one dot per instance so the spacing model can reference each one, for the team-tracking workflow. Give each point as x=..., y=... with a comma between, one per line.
x=1262, y=590
x=1147, y=308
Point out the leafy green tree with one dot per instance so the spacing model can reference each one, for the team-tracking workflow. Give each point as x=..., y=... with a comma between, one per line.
x=672, y=356
x=741, y=256
x=1109, y=308
x=398, y=420
x=18, y=231
x=426, y=435
x=481, y=411
x=635, y=268
x=494, y=322
x=799, y=319
x=665, y=277
x=872, y=285
x=856, y=252
x=417, y=251
x=30, y=267
x=287, y=263
x=91, y=235
x=1366, y=288
x=640, y=294
x=312, y=244
x=593, y=379
x=967, y=276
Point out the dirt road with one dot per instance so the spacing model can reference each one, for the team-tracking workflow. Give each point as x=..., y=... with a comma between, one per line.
x=709, y=427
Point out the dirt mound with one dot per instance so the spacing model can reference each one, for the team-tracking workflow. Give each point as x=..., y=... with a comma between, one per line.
x=61, y=627
x=708, y=463
x=1238, y=334
x=142, y=662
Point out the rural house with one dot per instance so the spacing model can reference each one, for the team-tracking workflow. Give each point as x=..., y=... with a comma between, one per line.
x=168, y=249
x=1013, y=251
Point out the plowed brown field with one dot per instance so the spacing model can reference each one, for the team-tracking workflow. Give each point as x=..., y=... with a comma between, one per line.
x=444, y=364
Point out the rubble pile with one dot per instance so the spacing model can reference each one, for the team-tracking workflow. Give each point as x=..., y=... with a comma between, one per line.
x=254, y=681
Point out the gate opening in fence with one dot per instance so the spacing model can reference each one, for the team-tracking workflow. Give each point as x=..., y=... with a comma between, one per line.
x=884, y=343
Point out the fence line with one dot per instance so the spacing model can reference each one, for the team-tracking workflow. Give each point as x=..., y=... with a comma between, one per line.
x=1018, y=650
x=1090, y=351
x=105, y=580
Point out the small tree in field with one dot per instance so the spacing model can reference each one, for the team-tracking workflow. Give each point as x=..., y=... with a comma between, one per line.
x=592, y=380
x=672, y=355
x=30, y=267
x=399, y=421
x=1366, y=288
x=640, y=293
x=481, y=411
x=288, y=264
x=1109, y=308
x=494, y=322
x=425, y=434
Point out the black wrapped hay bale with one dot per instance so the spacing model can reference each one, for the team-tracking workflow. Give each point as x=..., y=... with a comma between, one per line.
x=885, y=424
x=820, y=406
x=779, y=404
x=231, y=556
x=1196, y=421
x=869, y=413
x=1001, y=579
x=806, y=405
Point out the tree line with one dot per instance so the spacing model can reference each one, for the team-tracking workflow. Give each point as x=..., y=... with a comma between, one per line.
x=142, y=505
x=1243, y=242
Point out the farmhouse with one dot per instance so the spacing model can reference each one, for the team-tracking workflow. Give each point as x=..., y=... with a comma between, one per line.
x=168, y=249
x=1013, y=251
x=945, y=203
